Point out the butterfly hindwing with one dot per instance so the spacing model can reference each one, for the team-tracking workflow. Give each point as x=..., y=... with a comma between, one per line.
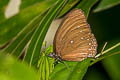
x=74, y=40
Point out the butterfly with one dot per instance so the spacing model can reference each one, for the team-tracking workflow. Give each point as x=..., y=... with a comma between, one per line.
x=74, y=40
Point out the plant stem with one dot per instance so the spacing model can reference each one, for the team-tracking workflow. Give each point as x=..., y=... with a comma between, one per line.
x=105, y=53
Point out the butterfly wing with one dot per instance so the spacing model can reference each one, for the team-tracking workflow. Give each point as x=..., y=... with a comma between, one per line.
x=73, y=40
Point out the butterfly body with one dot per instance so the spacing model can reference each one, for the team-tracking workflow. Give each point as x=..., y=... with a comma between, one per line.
x=74, y=40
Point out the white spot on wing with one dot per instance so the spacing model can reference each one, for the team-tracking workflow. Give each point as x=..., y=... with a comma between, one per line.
x=71, y=41
x=89, y=43
x=90, y=55
x=88, y=39
x=80, y=30
x=78, y=26
x=81, y=38
x=89, y=49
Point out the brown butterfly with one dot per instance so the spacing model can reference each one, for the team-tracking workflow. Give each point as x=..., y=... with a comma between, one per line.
x=73, y=40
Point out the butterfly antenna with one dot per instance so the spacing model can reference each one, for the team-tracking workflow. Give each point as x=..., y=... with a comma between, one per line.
x=101, y=53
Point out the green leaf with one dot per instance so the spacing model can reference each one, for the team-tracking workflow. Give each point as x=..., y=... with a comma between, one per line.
x=112, y=66
x=114, y=49
x=68, y=6
x=106, y=29
x=111, y=63
x=17, y=46
x=11, y=69
x=44, y=68
x=106, y=4
x=15, y=24
x=33, y=51
x=28, y=10
x=26, y=4
x=45, y=64
x=47, y=69
x=76, y=72
x=79, y=70
x=51, y=60
x=60, y=71
x=86, y=6
x=95, y=73
x=3, y=6
x=101, y=24
x=40, y=67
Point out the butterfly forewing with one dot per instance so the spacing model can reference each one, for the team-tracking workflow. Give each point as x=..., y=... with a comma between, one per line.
x=74, y=40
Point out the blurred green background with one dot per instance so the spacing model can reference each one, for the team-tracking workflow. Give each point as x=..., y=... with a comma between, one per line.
x=106, y=26
x=102, y=15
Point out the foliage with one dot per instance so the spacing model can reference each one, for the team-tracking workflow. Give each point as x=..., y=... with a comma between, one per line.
x=105, y=4
x=45, y=64
x=11, y=69
x=22, y=36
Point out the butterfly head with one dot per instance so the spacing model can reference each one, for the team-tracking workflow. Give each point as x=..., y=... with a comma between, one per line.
x=56, y=57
